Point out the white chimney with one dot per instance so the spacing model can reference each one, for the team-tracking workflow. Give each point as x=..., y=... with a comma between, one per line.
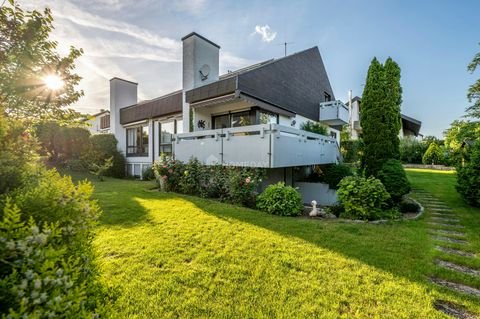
x=200, y=67
x=123, y=93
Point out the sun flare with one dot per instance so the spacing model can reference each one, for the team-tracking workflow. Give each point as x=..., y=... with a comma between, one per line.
x=53, y=82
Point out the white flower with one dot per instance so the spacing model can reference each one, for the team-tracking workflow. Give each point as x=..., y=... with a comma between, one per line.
x=37, y=284
x=59, y=272
x=29, y=274
x=10, y=245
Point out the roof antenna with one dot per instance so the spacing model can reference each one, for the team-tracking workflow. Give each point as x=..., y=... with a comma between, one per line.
x=285, y=46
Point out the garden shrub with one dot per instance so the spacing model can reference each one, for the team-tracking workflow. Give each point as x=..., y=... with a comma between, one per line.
x=314, y=127
x=468, y=178
x=412, y=150
x=433, y=155
x=362, y=198
x=333, y=174
x=336, y=209
x=408, y=206
x=394, y=179
x=46, y=228
x=168, y=173
x=243, y=183
x=148, y=174
x=279, y=199
x=352, y=151
x=236, y=185
x=102, y=147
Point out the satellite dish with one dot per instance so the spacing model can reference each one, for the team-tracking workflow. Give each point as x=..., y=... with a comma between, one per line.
x=204, y=72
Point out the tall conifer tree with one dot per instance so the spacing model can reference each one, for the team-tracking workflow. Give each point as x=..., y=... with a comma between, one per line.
x=381, y=119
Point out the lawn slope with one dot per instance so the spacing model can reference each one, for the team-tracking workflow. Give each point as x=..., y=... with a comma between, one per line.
x=176, y=256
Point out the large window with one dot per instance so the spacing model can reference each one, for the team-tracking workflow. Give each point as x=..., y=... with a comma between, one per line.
x=137, y=141
x=244, y=118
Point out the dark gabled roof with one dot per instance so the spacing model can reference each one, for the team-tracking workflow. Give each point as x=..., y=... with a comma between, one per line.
x=161, y=106
x=296, y=83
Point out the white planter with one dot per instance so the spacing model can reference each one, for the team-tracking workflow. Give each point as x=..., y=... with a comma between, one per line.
x=321, y=193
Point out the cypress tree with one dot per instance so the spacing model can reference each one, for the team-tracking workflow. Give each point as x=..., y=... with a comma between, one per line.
x=393, y=101
x=381, y=120
x=372, y=118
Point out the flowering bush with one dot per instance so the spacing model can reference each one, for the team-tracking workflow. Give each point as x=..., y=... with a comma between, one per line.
x=46, y=228
x=168, y=173
x=237, y=185
x=243, y=183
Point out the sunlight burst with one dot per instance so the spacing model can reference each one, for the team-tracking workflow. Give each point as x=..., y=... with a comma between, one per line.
x=53, y=82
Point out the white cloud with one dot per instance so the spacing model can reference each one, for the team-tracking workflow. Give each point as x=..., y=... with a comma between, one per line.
x=265, y=32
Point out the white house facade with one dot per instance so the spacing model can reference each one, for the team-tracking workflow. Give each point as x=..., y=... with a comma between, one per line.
x=249, y=117
x=410, y=126
x=99, y=122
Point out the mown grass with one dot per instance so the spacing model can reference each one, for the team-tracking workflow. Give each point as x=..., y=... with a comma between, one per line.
x=175, y=256
x=442, y=186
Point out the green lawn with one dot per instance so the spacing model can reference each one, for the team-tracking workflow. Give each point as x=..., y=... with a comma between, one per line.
x=177, y=256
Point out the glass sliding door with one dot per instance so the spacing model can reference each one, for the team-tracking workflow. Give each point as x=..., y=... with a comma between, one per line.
x=167, y=130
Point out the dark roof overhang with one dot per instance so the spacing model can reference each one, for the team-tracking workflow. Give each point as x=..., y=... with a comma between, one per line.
x=162, y=106
x=411, y=124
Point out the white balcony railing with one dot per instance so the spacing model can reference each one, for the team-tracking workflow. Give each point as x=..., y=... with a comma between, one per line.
x=269, y=145
x=334, y=113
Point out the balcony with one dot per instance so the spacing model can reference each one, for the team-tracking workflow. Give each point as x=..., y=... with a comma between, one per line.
x=334, y=113
x=266, y=145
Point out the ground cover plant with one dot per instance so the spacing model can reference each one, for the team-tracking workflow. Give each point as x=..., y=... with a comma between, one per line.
x=171, y=255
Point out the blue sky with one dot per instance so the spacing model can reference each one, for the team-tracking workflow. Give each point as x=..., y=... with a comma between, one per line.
x=433, y=42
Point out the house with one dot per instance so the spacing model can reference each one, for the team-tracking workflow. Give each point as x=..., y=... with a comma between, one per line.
x=410, y=126
x=249, y=117
x=99, y=122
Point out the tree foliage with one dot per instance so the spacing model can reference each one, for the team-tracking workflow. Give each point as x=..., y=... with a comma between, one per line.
x=473, y=94
x=468, y=178
x=433, y=155
x=314, y=127
x=381, y=119
x=27, y=56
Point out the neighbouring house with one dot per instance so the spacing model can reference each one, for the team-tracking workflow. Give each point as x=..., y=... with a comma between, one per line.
x=249, y=117
x=99, y=122
x=410, y=126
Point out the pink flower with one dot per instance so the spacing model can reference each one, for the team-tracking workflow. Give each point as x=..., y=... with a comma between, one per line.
x=247, y=180
x=164, y=177
x=170, y=171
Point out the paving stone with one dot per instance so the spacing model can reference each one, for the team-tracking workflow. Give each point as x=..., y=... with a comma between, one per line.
x=443, y=214
x=453, y=310
x=457, y=287
x=456, y=267
x=449, y=232
x=445, y=225
x=452, y=251
x=450, y=240
x=448, y=220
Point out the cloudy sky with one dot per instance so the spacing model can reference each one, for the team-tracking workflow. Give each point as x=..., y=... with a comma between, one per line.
x=139, y=40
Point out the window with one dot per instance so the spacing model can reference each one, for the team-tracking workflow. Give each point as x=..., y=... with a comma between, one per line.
x=167, y=130
x=327, y=97
x=244, y=118
x=105, y=122
x=241, y=119
x=267, y=118
x=221, y=121
x=333, y=134
x=137, y=141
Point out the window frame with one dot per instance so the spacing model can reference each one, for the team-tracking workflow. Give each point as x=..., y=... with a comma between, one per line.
x=140, y=141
